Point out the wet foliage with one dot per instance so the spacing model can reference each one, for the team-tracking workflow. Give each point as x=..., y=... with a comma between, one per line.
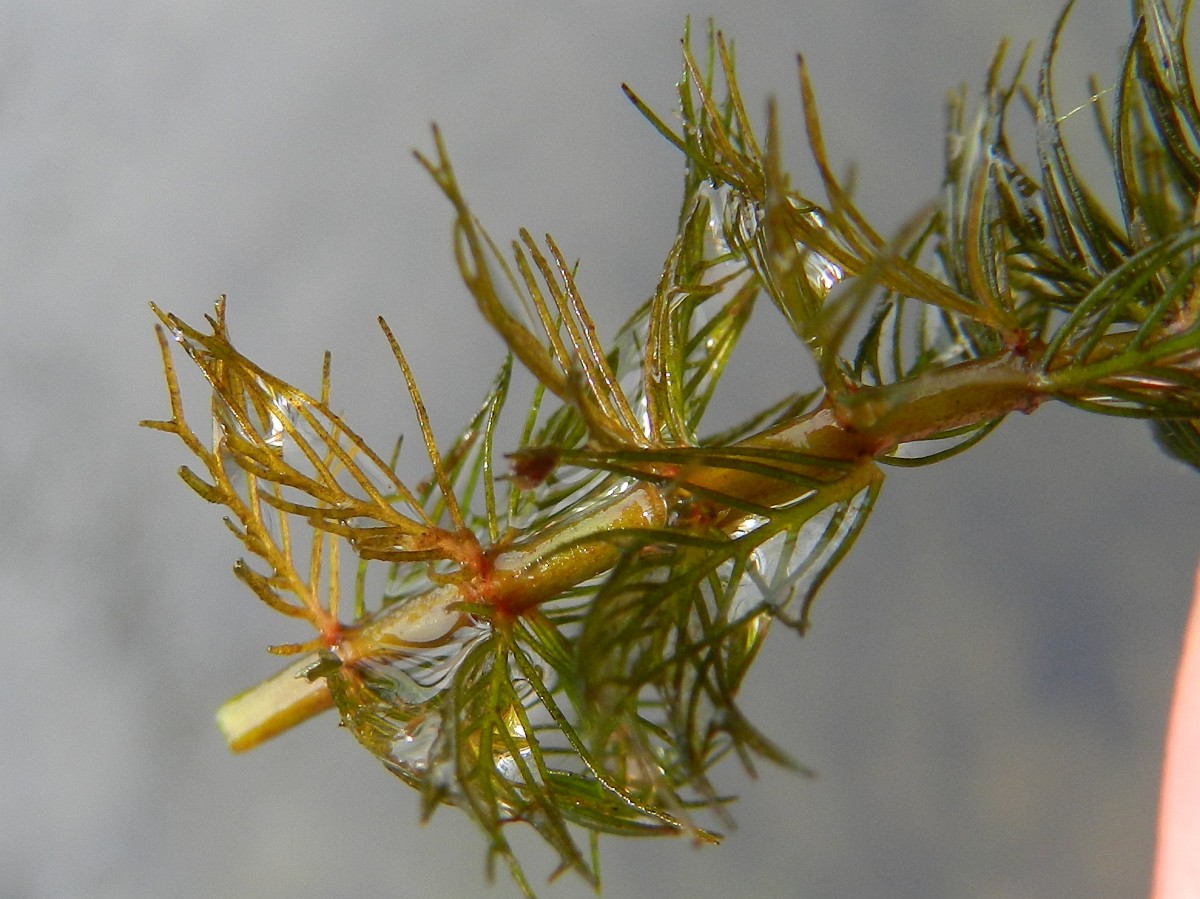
x=566, y=623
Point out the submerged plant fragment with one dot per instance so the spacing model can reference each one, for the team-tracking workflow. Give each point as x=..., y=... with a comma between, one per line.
x=562, y=635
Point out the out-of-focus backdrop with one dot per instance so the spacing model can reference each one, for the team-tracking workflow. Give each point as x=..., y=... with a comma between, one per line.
x=984, y=691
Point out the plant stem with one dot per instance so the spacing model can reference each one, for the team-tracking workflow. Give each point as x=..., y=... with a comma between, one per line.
x=519, y=576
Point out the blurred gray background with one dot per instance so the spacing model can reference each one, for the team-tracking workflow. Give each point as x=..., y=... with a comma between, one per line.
x=984, y=692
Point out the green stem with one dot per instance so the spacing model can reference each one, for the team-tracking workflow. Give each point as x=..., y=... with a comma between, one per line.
x=865, y=425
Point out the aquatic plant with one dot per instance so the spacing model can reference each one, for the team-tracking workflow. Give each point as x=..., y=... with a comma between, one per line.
x=565, y=623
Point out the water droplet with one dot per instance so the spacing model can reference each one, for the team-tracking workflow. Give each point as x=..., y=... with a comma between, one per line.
x=822, y=274
x=395, y=702
x=788, y=562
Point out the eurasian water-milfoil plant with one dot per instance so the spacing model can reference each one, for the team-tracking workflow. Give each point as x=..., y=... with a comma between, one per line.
x=564, y=623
